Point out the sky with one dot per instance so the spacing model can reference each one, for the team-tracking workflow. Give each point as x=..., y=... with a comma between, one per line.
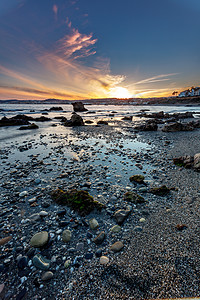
x=83, y=49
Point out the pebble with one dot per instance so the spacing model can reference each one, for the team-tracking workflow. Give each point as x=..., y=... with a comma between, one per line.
x=93, y=224
x=138, y=228
x=47, y=276
x=116, y=228
x=89, y=255
x=99, y=238
x=43, y=213
x=121, y=215
x=142, y=220
x=5, y=240
x=67, y=263
x=116, y=247
x=23, y=194
x=39, y=239
x=104, y=260
x=66, y=236
x=22, y=262
x=41, y=263
x=80, y=246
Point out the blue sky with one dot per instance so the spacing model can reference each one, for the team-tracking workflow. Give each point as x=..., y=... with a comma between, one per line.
x=75, y=49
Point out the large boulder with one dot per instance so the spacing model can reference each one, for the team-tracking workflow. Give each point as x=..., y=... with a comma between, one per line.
x=79, y=106
x=148, y=126
x=75, y=120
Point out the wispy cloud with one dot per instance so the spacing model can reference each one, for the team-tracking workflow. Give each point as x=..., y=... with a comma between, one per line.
x=55, y=10
x=76, y=45
x=158, y=78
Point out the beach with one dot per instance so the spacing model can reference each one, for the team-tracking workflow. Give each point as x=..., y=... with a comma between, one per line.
x=140, y=244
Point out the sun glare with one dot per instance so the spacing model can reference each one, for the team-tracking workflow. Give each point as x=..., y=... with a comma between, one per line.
x=120, y=92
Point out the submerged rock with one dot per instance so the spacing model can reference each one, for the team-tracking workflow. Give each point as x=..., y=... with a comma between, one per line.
x=133, y=198
x=137, y=178
x=78, y=200
x=79, y=107
x=31, y=126
x=160, y=191
x=56, y=108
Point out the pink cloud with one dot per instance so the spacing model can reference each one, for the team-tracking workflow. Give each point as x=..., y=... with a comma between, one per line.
x=55, y=10
x=77, y=45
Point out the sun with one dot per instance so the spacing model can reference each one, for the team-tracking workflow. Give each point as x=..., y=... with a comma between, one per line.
x=120, y=92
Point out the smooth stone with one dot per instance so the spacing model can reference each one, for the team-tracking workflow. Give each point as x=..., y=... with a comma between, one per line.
x=89, y=255
x=104, y=260
x=67, y=263
x=93, y=224
x=43, y=213
x=98, y=252
x=39, y=239
x=5, y=240
x=35, y=217
x=99, y=238
x=47, y=276
x=116, y=247
x=2, y=287
x=61, y=212
x=40, y=262
x=32, y=200
x=116, y=228
x=80, y=246
x=22, y=262
x=37, y=181
x=121, y=215
x=138, y=228
x=142, y=220
x=66, y=236
x=23, y=194
x=143, y=189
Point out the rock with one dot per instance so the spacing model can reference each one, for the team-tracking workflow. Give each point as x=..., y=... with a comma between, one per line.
x=104, y=260
x=88, y=255
x=116, y=247
x=142, y=220
x=181, y=227
x=102, y=122
x=160, y=191
x=197, y=161
x=116, y=228
x=93, y=224
x=2, y=285
x=78, y=200
x=184, y=161
x=173, y=127
x=121, y=215
x=31, y=126
x=66, y=236
x=22, y=262
x=23, y=194
x=42, y=119
x=55, y=108
x=98, y=252
x=99, y=238
x=67, y=263
x=43, y=213
x=133, y=198
x=39, y=239
x=137, y=178
x=41, y=263
x=75, y=120
x=13, y=122
x=148, y=126
x=5, y=240
x=47, y=276
x=80, y=246
x=78, y=106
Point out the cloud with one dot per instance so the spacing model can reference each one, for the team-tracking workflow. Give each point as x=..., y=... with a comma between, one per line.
x=76, y=45
x=157, y=78
x=55, y=10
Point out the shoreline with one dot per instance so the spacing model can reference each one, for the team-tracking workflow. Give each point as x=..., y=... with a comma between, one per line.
x=157, y=261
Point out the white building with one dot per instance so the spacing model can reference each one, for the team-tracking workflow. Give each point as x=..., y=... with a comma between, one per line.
x=190, y=92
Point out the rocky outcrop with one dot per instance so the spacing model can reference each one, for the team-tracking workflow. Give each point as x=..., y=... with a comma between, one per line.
x=173, y=127
x=148, y=126
x=13, y=122
x=56, y=108
x=75, y=120
x=188, y=162
x=31, y=126
x=79, y=107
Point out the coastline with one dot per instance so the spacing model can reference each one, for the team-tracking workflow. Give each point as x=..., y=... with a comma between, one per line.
x=157, y=260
